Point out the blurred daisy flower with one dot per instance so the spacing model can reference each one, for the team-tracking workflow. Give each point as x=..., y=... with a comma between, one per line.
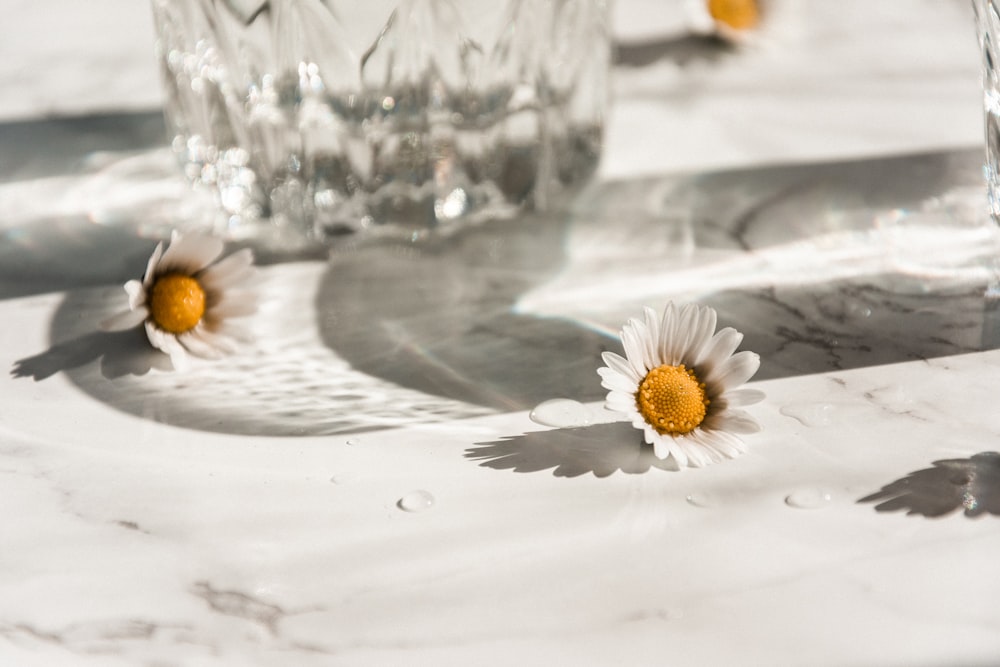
x=187, y=300
x=734, y=21
x=680, y=384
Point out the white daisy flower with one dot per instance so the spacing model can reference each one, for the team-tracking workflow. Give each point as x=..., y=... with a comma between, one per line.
x=187, y=300
x=679, y=384
x=735, y=21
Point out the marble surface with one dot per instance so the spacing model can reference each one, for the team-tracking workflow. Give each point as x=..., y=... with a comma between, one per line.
x=260, y=511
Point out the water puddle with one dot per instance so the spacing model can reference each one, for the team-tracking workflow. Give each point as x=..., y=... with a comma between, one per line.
x=561, y=413
x=810, y=414
x=808, y=499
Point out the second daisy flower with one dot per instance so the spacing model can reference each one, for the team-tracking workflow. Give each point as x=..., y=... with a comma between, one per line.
x=680, y=384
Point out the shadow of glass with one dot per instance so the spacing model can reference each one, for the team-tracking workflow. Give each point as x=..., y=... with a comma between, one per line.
x=120, y=353
x=440, y=318
x=61, y=253
x=971, y=484
x=56, y=146
x=601, y=449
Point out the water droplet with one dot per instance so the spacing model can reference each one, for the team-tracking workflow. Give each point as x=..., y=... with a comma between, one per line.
x=561, y=412
x=808, y=499
x=704, y=500
x=810, y=414
x=342, y=478
x=969, y=501
x=353, y=441
x=416, y=501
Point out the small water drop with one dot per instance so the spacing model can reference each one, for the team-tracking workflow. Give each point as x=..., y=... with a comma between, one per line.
x=353, y=441
x=810, y=414
x=808, y=499
x=415, y=501
x=562, y=413
x=342, y=478
x=703, y=500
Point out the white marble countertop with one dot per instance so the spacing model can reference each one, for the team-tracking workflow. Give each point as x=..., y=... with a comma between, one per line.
x=246, y=513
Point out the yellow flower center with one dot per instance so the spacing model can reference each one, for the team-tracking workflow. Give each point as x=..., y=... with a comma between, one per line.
x=737, y=14
x=177, y=302
x=672, y=400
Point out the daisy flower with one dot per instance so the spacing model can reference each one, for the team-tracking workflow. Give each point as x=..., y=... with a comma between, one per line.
x=187, y=299
x=734, y=21
x=679, y=384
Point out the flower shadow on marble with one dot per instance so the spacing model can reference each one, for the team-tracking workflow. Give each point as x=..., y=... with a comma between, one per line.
x=120, y=353
x=601, y=449
x=972, y=484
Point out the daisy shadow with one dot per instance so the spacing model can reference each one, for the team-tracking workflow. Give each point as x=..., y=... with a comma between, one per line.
x=119, y=353
x=601, y=449
x=972, y=485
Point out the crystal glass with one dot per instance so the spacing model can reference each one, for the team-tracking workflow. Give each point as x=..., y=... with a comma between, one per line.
x=988, y=30
x=323, y=117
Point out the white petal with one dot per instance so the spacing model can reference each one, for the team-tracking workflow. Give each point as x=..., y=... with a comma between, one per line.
x=616, y=381
x=618, y=401
x=635, y=346
x=232, y=270
x=126, y=319
x=194, y=343
x=151, y=265
x=733, y=372
x=136, y=294
x=701, y=449
x=739, y=397
x=222, y=341
x=675, y=349
x=727, y=444
x=706, y=447
x=647, y=347
x=668, y=335
x=653, y=335
x=231, y=307
x=718, y=349
x=658, y=440
x=733, y=421
x=688, y=334
x=672, y=446
x=164, y=341
x=661, y=449
x=189, y=254
x=696, y=455
x=226, y=331
x=682, y=453
x=702, y=328
x=621, y=365
x=717, y=449
x=248, y=297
